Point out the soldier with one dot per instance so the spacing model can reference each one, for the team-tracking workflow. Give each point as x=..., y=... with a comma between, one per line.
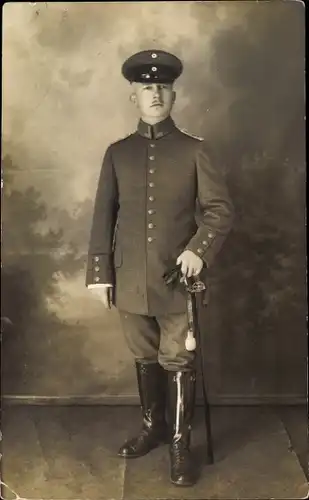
x=145, y=223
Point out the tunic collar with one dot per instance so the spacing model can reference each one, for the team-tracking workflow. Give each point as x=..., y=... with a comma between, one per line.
x=156, y=131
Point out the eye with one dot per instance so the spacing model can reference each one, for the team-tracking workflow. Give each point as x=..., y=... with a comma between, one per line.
x=147, y=87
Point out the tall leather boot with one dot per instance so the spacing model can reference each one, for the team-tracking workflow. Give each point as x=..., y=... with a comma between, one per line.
x=181, y=388
x=151, y=379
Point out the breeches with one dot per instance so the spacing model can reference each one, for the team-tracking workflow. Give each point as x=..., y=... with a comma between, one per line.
x=158, y=339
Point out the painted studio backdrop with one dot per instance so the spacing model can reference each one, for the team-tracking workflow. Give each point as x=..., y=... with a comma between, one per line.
x=64, y=101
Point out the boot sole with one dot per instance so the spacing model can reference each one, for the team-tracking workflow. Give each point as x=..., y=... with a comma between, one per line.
x=184, y=485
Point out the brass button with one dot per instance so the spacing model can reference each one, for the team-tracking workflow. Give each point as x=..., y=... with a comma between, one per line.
x=152, y=145
x=151, y=184
x=151, y=212
x=151, y=198
x=154, y=55
x=151, y=226
x=151, y=170
x=96, y=278
x=199, y=250
x=96, y=259
x=211, y=235
x=151, y=157
x=150, y=239
x=205, y=242
x=97, y=268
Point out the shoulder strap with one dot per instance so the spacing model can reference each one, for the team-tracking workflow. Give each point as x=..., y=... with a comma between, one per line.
x=184, y=131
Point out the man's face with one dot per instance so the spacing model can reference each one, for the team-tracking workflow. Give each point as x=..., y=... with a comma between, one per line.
x=154, y=100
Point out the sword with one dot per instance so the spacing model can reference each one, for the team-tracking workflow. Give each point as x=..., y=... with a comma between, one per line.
x=194, y=286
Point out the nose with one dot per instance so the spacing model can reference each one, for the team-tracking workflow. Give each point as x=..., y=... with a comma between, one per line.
x=157, y=91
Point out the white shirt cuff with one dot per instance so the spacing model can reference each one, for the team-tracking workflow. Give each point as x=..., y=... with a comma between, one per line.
x=98, y=285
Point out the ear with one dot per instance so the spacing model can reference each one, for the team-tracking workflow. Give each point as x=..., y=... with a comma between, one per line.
x=133, y=97
x=173, y=96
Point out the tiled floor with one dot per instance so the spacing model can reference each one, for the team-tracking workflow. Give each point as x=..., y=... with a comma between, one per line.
x=70, y=453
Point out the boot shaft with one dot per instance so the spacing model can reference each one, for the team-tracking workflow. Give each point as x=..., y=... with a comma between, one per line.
x=181, y=405
x=152, y=381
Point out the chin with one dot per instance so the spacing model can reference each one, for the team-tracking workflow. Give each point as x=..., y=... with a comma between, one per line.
x=158, y=113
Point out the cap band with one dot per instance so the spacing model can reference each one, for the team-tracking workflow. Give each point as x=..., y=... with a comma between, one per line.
x=152, y=66
x=147, y=73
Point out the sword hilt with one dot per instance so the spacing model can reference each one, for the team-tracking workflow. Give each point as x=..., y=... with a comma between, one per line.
x=194, y=284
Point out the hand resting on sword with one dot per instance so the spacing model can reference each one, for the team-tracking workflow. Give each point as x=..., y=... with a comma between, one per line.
x=191, y=265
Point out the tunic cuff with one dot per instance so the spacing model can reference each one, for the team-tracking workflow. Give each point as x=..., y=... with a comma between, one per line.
x=99, y=270
x=200, y=244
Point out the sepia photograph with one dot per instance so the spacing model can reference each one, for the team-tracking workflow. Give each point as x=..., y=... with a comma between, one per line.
x=153, y=251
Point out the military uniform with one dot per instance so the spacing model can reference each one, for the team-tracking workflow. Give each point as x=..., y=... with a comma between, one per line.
x=145, y=217
x=148, y=188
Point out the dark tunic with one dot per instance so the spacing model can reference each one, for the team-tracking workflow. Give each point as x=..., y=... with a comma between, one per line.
x=145, y=215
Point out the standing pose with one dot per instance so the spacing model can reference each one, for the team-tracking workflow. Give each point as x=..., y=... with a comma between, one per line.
x=145, y=223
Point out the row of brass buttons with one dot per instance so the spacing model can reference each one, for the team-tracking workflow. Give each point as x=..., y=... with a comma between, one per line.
x=151, y=198
x=97, y=269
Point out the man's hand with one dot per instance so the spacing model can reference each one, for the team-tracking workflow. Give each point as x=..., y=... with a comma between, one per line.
x=191, y=264
x=105, y=295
